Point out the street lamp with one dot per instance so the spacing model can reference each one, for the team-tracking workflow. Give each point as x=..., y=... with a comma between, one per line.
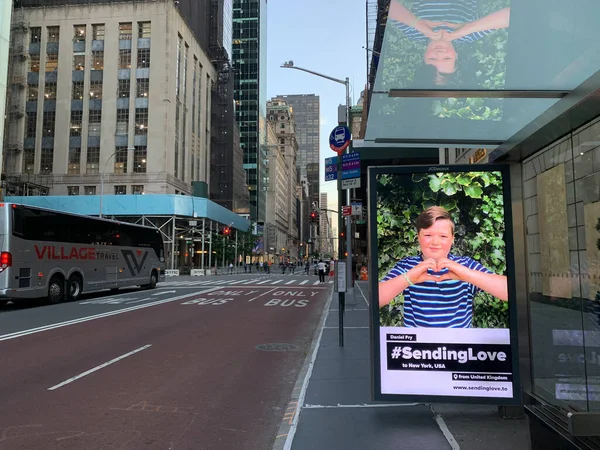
x=104, y=172
x=346, y=82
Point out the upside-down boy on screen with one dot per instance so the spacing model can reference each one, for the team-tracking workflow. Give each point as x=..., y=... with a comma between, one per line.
x=438, y=286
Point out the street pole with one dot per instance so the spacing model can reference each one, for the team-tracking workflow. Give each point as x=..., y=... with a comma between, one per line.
x=104, y=172
x=348, y=227
x=236, y=249
x=203, y=234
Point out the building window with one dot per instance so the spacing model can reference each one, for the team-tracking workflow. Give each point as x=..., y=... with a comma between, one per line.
x=89, y=190
x=79, y=33
x=94, y=122
x=137, y=189
x=121, y=156
x=282, y=141
x=50, y=91
x=122, y=121
x=77, y=90
x=125, y=30
x=125, y=58
x=31, y=126
x=34, y=63
x=97, y=60
x=142, y=87
x=73, y=190
x=98, y=32
x=143, y=57
x=144, y=30
x=47, y=155
x=124, y=88
x=35, y=35
x=53, y=34
x=96, y=90
x=28, y=160
x=51, y=62
x=32, y=92
x=48, y=123
x=74, y=167
x=76, y=119
x=120, y=190
x=139, y=159
x=78, y=61
x=141, y=121
x=92, y=161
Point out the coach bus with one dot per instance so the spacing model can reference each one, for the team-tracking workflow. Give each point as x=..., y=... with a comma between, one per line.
x=57, y=255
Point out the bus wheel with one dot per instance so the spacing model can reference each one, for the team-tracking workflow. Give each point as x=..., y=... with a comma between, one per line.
x=3, y=302
x=74, y=288
x=153, y=281
x=56, y=290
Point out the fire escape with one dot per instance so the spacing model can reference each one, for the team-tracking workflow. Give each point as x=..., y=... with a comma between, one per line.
x=16, y=178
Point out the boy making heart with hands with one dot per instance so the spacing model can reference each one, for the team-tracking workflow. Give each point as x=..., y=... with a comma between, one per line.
x=438, y=286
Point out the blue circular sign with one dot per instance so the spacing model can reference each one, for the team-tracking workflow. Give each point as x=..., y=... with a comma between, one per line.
x=339, y=139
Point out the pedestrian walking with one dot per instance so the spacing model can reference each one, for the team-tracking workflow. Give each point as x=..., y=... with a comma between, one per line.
x=321, y=267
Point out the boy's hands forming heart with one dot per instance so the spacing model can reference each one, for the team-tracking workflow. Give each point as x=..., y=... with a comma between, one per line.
x=420, y=273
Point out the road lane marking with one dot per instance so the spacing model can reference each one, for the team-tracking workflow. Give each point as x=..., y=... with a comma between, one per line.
x=138, y=301
x=164, y=292
x=304, y=282
x=263, y=282
x=101, y=366
x=53, y=326
x=291, y=282
x=316, y=282
x=264, y=293
x=276, y=281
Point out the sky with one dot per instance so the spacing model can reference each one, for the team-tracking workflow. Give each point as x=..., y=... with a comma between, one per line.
x=325, y=36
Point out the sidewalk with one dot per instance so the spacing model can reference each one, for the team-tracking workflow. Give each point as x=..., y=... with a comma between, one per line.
x=332, y=409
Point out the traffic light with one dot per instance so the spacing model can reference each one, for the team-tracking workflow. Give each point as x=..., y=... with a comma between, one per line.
x=342, y=234
x=226, y=231
x=313, y=216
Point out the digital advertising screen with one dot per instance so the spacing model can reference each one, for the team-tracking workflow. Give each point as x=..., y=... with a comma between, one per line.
x=442, y=296
x=477, y=45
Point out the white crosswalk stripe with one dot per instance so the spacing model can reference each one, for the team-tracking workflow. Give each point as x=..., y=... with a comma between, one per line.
x=225, y=282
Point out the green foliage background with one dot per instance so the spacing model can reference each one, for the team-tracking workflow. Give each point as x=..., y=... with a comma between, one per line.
x=483, y=62
x=476, y=203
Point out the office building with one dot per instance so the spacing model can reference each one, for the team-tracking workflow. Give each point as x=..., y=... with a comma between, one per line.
x=283, y=205
x=116, y=98
x=249, y=62
x=306, y=114
x=227, y=177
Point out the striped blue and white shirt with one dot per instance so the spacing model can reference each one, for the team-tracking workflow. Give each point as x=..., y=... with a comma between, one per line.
x=455, y=11
x=445, y=304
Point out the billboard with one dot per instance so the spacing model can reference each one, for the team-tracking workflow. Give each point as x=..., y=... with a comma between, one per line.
x=478, y=45
x=443, y=313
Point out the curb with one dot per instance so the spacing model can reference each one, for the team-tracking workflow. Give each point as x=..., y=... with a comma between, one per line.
x=285, y=434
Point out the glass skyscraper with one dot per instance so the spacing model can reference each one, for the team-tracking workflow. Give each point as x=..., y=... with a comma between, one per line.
x=249, y=60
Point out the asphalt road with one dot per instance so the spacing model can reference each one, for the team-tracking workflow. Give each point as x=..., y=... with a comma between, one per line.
x=198, y=363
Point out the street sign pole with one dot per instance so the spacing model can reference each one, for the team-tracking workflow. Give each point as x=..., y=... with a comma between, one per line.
x=341, y=295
